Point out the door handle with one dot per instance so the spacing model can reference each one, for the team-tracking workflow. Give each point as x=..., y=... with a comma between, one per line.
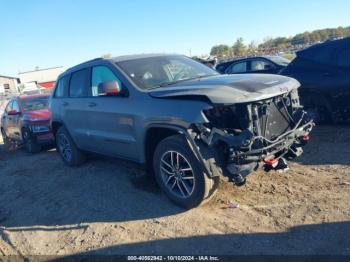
x=92, y=104
x=65, y=103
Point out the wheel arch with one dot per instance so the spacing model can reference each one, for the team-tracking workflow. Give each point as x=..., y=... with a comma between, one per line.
x=321, y=96
x=55, y=125
x=308, y=96
x=24, y=125
x=155, y=133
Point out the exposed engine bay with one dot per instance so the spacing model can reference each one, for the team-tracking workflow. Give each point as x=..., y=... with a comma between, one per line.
x=242, y=137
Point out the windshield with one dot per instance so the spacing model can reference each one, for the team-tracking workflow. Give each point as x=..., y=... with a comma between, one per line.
x=158, y=71
x=32, y=104
x=279, y=60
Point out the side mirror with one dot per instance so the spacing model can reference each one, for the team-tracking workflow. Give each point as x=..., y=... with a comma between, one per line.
x=12, y=112
x=109, y=88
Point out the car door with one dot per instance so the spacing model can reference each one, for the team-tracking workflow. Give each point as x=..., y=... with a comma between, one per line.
x=75, y=108
x=6, y=119
x=112, y=125
x=340, y=91
x=59, y=98
x=15, y=121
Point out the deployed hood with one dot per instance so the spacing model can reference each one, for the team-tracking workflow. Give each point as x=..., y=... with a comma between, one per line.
x=230, y=89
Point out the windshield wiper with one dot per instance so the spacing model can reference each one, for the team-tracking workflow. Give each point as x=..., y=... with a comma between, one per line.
x=163, y=84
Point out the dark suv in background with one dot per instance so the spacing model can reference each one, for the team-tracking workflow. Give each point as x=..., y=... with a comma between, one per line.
x=324, y=73
x=184, y=121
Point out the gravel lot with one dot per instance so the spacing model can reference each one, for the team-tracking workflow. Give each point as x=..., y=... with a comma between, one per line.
x=108, y=206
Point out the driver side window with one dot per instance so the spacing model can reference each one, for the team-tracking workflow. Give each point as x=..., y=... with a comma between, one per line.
x=101, y=74
x=260, y=65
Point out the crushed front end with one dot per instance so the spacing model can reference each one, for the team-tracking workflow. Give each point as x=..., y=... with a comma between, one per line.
x=240, y=138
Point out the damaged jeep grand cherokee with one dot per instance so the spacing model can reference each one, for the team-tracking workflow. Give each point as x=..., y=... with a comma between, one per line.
x=185, y=122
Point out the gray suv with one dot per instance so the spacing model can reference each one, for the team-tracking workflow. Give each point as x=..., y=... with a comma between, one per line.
x=185, y=122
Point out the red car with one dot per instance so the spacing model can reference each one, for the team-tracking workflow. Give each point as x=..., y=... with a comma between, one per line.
x=26, y=120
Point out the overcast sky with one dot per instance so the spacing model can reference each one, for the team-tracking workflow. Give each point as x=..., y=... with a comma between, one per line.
x=61, y=32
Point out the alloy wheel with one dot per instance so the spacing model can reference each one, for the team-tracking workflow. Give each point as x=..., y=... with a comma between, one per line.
x=64, y=147
x=177, y=174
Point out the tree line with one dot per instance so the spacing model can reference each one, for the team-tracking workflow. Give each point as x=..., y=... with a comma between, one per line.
x=278, y=44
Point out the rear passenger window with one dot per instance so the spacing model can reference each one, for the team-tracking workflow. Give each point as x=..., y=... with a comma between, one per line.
x=61, y=87
x=79, y=83
x=237, y=68
x=101, y=74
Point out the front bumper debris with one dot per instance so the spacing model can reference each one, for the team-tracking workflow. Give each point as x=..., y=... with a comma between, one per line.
x=271, y=155
x=249, y=150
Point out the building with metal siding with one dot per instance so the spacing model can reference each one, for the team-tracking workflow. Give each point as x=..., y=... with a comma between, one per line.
x=9, y=84
x=43, y=77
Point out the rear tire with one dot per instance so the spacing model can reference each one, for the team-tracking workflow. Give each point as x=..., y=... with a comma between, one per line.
x=180, y=175
x=66, y=147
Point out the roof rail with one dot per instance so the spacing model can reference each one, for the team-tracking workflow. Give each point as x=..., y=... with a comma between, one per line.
x=83, y=63
x=92, y=60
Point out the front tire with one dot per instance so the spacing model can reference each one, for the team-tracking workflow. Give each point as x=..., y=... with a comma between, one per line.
x=66, y=147
x=5, y=140
x=180, y=175
x=29, y=144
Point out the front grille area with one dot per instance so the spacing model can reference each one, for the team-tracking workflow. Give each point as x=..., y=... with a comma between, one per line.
x=274, y=118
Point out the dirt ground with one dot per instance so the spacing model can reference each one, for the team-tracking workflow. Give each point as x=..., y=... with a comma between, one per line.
x=108, y=206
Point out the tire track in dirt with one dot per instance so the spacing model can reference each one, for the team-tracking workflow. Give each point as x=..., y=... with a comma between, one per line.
x=110, y=206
